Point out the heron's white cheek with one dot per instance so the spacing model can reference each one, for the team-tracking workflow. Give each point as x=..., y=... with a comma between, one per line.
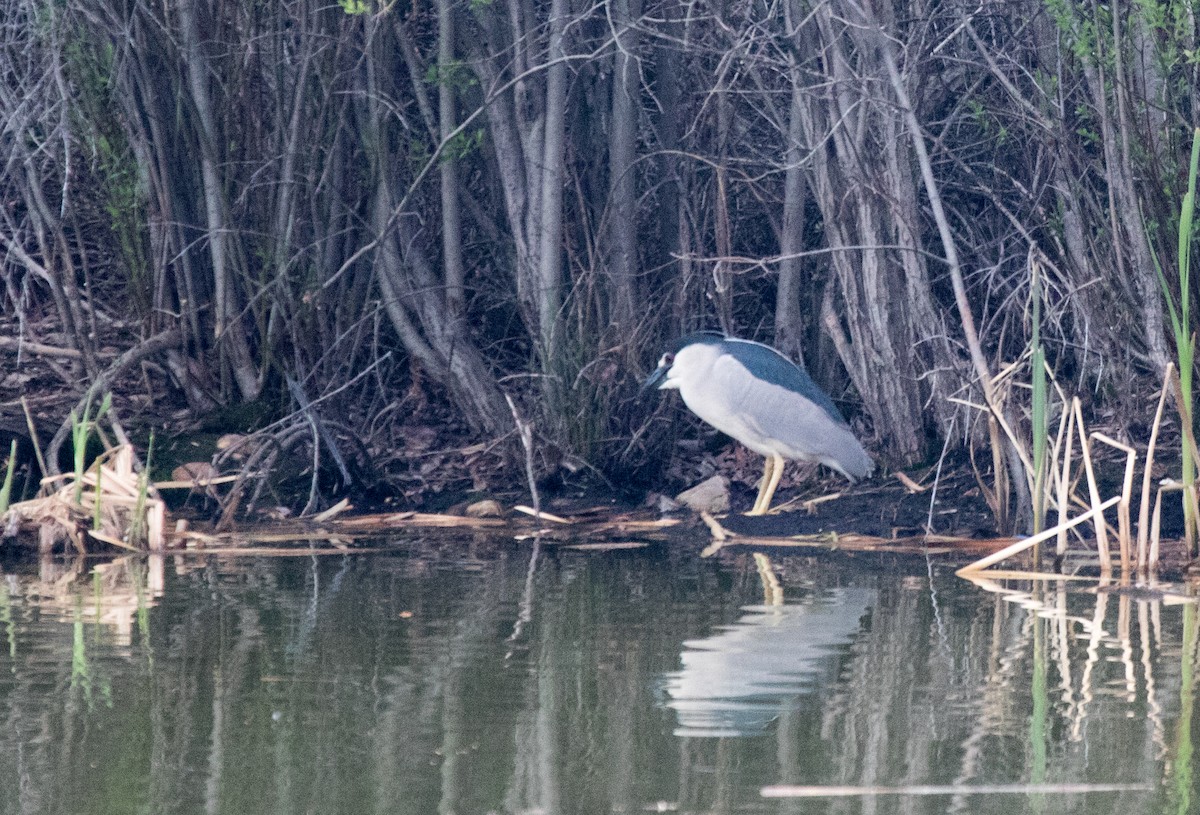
x=669, y=384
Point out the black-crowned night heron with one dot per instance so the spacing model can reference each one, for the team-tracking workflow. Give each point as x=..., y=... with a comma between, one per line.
x=758, y=396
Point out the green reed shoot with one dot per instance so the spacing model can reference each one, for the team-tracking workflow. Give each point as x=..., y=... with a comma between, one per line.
x=1038, y=407
x=81, y=431
x=6, y=490
x=1181, y=322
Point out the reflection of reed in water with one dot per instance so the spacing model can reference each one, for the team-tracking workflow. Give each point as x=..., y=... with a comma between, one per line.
x=1070, y=652
x=112, y=593
x=736, y=682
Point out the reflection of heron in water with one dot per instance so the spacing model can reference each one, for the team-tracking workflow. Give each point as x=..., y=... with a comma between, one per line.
x=736, y=682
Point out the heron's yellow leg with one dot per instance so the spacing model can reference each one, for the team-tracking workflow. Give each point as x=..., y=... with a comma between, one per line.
x=768, y=464
x=772, y=472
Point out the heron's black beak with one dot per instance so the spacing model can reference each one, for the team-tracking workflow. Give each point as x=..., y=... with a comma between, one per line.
x=652, y=381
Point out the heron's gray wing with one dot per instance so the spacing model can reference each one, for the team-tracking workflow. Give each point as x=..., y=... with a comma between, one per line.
x=772, y=366
x=774, y=417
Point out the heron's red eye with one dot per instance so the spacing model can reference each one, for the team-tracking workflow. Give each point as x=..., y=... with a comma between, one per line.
x=668, y=359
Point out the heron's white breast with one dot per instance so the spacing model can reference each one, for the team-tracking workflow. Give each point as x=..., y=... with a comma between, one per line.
x=717, y=388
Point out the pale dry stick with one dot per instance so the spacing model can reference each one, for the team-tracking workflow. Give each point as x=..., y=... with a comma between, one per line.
x=331, y=513
x=192, y=484
x=525, y=434
x=112, y=540
x=1144, y=509
x=1155, y=532
x=541, y=516
x=1093, y=490
x=1062, y=450
x=1168, y=485
x=787, y=791
x=1064, y=417
x=28, y=346
x=937, y=475
x=1123, y=523
x=1033, y=540
x=1064, y=485
x=1000, y=474
x=156, y=525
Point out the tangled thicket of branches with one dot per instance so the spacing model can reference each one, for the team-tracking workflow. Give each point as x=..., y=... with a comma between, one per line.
x=531, y=196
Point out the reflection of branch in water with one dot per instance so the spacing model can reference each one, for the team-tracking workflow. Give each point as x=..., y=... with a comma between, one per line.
x=525, y=612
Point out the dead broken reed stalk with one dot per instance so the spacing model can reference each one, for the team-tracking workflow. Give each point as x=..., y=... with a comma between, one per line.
x=1065, y=474
x=109, y=502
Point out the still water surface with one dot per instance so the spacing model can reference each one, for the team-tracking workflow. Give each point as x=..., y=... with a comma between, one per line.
x=446, y=676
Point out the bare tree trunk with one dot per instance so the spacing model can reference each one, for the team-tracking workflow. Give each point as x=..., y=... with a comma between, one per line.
x=415, y=299
x=789, y=321
x=226, y=302
x=622, y=154
x=1124, y=214
x=666, y=221
x=884, y=331
x=722, y=279
x=452, y=260
x=428, y=331
x=549, y=231
x=516, y=126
